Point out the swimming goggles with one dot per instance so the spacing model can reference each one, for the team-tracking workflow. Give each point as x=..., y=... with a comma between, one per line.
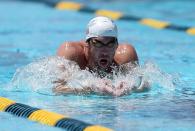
x=100, y=44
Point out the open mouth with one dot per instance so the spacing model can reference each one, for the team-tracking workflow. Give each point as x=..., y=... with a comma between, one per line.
x=103, y=62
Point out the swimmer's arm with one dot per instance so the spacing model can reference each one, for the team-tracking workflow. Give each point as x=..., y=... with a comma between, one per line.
x=68, y=90
x=61, y=88
x=126, y=53
x=71, y=51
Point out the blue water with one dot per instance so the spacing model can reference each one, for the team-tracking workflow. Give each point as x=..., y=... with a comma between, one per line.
x=31, y=30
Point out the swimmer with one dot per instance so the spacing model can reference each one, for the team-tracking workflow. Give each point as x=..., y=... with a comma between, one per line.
x=99, y=53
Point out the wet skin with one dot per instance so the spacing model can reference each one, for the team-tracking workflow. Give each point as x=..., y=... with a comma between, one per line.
x=98, y=53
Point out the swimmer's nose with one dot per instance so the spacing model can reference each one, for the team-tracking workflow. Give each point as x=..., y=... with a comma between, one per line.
x=104, y=54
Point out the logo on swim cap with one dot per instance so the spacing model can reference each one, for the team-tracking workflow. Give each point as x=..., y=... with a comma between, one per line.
x=101, y=26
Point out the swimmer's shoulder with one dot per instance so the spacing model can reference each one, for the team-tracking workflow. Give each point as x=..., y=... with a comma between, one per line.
x=72, y=48
x=73, y=51
x=125, y=53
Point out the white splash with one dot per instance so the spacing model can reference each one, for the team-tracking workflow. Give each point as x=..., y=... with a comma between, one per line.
x=41, y=74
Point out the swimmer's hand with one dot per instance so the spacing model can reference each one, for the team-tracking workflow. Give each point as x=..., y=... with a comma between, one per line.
x=121, y=89
x=109, y=89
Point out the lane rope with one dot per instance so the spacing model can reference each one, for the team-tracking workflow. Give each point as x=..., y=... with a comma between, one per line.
x=46, y=117
x=115, y=15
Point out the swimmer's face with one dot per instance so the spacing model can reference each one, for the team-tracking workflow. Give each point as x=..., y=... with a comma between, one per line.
x=102, y=50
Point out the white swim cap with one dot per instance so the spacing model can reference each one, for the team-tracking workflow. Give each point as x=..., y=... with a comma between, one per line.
x=101, y=26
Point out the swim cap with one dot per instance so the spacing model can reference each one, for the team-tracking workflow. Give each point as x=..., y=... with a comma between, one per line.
x=101, y=26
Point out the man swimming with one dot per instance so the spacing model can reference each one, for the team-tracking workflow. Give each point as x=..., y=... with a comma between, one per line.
x=100, y=53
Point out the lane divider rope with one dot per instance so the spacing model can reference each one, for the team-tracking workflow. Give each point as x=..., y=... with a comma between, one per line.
x=115, y=15
x=47, y=117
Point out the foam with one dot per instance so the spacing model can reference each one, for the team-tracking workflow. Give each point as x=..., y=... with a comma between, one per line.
x=39, y=76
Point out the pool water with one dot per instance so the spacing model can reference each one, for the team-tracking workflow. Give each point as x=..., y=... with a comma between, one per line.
x=30, y=30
